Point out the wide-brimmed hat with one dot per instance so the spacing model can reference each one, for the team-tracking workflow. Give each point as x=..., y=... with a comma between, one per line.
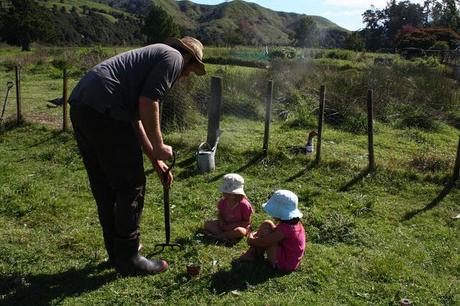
x=283, y=205
x=192, y=45
x=233, y=183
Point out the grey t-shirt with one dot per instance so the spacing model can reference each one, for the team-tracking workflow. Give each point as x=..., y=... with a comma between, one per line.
x=115, y=85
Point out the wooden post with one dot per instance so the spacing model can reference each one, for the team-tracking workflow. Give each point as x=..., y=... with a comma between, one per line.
x=214, y=110
x=64, y=100
x=322, y=101
x=19, y=118
x=457, y=163
x=370, y=129
x=268, y=115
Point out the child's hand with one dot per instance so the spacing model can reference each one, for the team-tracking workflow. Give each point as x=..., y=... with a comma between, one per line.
x=251, y=238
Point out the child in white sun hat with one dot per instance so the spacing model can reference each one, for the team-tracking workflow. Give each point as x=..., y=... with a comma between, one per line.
x=234, y=211
x=283, y=240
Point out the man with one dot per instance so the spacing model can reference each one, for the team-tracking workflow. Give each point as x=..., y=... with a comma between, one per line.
x=115, y=115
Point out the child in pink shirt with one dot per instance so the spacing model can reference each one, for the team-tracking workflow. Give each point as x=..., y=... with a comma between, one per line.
x=283, y=240
x=234, y=211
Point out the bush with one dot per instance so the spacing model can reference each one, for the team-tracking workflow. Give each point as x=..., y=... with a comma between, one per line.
x=282, y=53
x=339, y=54
x=420, y=121
x=440, y=45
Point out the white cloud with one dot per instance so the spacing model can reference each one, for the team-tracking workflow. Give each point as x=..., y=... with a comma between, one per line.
x=357, y=12
x=361, y=3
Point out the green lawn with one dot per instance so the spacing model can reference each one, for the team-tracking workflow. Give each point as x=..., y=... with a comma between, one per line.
x=374, y=238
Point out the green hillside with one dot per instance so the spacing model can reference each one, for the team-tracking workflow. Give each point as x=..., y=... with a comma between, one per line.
x=212, y=22
x=118, y=22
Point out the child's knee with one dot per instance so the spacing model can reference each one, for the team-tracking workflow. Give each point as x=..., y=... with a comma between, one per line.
x=240, y=231
x=267, y=226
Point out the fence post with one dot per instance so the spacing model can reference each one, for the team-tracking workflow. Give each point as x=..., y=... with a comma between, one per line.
x=19, y=118
x=457, y=163
x=370, y=129
x=268, y=115
x=214, y=110
x=64, y=100
x=322, y=101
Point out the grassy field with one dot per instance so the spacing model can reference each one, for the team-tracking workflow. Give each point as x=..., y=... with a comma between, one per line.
x=374, y=238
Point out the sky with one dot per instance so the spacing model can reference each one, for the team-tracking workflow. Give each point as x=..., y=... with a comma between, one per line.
x=345, y=13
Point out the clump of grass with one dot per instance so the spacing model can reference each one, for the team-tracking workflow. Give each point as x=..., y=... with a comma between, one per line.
x=430, y=162
x=333, y=228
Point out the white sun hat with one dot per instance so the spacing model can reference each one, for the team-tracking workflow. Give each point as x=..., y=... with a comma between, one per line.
x=283, y=205
x=233, y=183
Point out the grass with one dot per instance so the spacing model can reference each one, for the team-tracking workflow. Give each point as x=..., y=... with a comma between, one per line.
x=373, y=238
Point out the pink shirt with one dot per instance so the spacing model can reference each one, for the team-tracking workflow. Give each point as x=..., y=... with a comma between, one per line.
x=241, y=212
x=292, y=247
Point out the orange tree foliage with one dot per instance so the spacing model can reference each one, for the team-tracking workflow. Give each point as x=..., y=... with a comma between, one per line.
x=424, y=38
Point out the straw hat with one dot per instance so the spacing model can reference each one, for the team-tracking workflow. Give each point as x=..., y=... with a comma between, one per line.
x=192, y=45
x=233, y=183
x=283, y=205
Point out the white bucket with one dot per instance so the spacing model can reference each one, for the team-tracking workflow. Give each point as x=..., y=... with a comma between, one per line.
x=205, y=156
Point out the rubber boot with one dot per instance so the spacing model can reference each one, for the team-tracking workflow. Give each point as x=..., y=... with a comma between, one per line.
x=129, y=262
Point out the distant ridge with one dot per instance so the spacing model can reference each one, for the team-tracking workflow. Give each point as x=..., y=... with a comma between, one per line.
x=213, y=23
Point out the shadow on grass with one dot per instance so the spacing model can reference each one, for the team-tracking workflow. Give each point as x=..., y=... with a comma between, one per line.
x=433, y=203
x=9, y=125
x=310, y=165
x=45, y=289
x=357, y=179
x=242, y=276
x=257, y=158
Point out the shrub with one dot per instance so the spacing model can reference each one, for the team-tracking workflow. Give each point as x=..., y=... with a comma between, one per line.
x=339, y=54
x=283, y=53
x=440, y=45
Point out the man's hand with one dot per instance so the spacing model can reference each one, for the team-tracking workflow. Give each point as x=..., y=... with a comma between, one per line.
x=162, y=152
x=161, y=169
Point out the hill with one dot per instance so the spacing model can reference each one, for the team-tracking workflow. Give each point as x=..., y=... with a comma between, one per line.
x=234, y=22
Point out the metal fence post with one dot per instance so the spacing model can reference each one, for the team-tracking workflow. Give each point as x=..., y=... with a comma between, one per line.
x=457, y=163
x=64, y=100
x=268, y=115
x=370, y=129
x=19, y=117
x=322, y=101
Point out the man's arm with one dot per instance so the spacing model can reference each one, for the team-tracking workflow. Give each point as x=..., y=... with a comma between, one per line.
x=149, y=113
x=146, y=107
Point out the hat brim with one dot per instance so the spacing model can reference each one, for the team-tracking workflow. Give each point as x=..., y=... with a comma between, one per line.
x=239, y=191
x=172, y=41
x=273, y=210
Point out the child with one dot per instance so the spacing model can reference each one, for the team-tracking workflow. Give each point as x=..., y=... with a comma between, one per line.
x=234, y=211
x=283, y=240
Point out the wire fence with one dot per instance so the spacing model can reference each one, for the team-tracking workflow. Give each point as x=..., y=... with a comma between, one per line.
x=241, y=104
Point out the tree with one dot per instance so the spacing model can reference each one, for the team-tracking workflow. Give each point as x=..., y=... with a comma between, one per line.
x=355, y=42
x=450, y=15
x=158, y=26
x=305, y=33
x=24, y=22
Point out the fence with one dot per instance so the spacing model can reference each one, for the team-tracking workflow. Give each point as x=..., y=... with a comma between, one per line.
x=218, y=99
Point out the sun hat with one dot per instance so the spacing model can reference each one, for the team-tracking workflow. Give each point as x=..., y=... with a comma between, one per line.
x=233, y=183
x=192, y=45
x=283, y=205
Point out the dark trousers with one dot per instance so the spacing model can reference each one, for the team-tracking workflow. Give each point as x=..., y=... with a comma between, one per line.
x=113, y=159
